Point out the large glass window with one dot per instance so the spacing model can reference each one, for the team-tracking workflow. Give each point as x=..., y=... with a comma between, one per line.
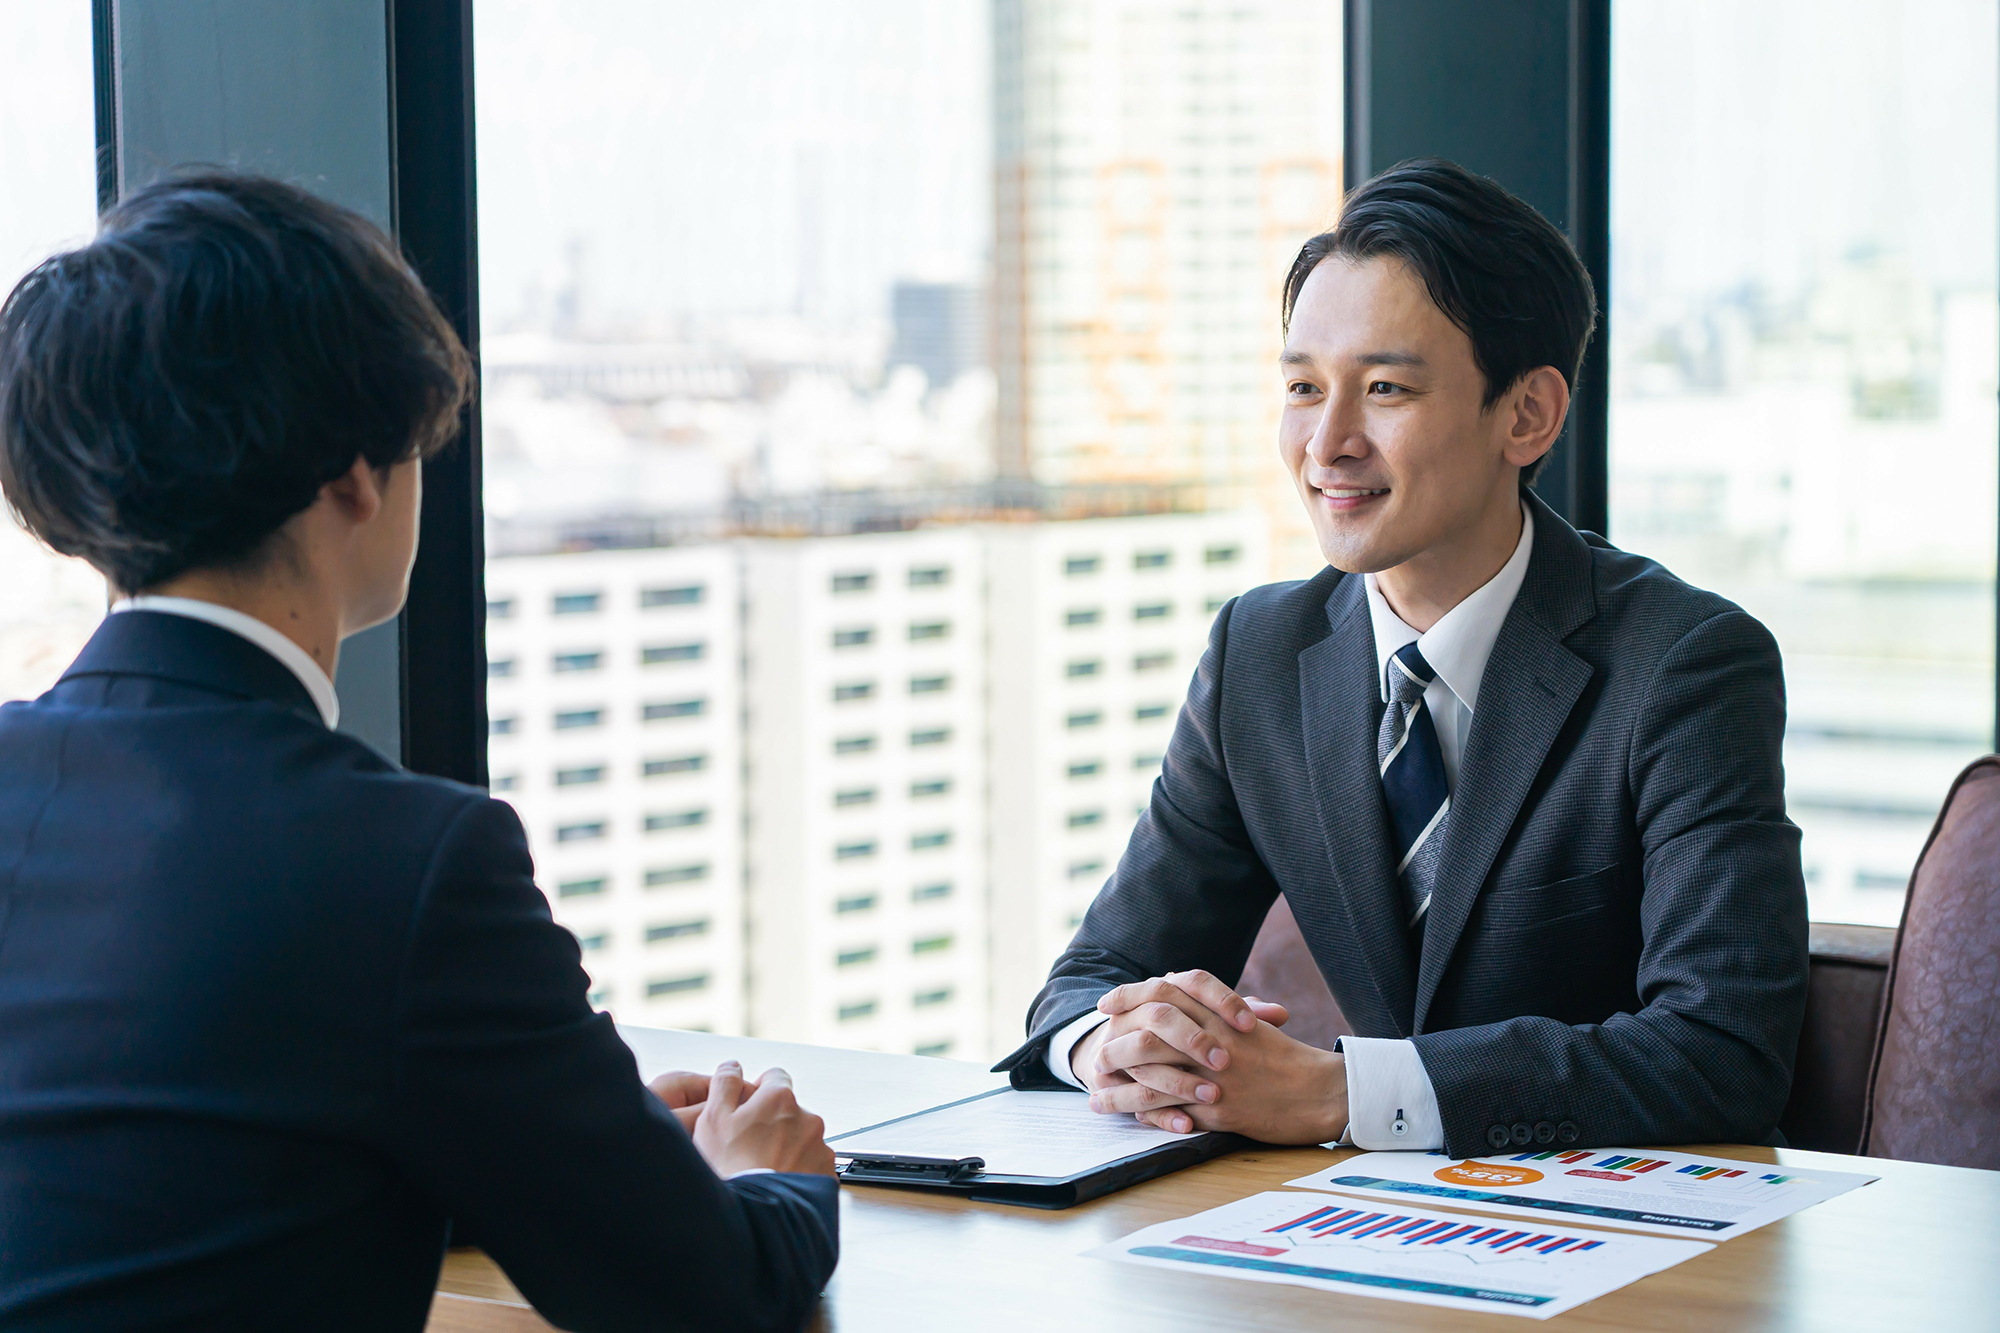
x=1803, y=365
x=48, y=201
x=878, y=407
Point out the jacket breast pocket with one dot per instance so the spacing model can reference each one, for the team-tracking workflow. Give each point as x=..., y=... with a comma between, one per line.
x=1562, y=901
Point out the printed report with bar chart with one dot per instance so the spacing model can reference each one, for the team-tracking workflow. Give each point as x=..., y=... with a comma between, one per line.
x=1653, y=1189
x=1402, y=1252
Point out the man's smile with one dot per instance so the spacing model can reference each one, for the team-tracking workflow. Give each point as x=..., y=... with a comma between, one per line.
x=1350, y=497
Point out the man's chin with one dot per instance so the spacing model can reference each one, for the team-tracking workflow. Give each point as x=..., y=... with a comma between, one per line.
x=1350, y=553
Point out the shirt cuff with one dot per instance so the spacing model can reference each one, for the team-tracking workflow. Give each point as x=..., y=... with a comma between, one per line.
x=1063, y=1044
x=752, y=1171
x=1390, y=1102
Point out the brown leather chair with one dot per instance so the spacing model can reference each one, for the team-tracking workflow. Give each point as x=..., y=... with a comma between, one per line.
x=1934, y=1090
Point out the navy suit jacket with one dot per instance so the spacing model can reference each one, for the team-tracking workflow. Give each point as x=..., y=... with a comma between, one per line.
x=273, y=1011
x=1615, y=951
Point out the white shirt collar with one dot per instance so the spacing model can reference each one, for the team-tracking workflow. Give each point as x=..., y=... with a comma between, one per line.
x=270, y=640
x=1459, y=644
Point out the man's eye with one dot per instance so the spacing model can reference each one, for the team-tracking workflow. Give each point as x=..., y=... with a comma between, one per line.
x=1301, y=387
x=1380, y=387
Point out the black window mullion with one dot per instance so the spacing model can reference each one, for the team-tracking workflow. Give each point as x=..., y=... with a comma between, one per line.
x=436, y=219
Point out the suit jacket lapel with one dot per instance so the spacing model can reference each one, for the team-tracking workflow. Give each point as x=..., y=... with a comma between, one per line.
x=1532, y=682
x=1338, y=707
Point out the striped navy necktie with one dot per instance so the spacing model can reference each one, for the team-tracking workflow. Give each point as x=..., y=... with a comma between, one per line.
x=1413, y=779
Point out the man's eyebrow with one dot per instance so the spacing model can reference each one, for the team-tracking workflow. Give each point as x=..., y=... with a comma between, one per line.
x=1409, y=359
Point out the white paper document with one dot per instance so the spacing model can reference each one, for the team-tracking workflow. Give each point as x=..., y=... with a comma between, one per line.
x=1018, y=1133
x=1649, y=1189
x=1401, y=1253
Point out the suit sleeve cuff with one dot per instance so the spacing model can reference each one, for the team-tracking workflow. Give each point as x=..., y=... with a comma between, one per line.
x=1063, y=1043
x=1390, y=1102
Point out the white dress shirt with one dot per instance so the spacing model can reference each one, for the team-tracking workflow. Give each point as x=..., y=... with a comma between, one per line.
x=1390, y=1101
x=295, y=658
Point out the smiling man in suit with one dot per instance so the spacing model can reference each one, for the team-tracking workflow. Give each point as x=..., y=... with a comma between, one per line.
x=1521, y=789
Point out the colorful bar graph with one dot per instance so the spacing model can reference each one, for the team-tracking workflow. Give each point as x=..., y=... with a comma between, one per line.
x=1557, y=1154
x=1333, y=1222
x=1333, y=1275
x=1703, y=1171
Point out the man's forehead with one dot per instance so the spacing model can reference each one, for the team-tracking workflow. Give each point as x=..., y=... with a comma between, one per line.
x=1375, y=311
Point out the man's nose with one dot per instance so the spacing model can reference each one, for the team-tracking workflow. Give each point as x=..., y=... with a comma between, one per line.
x=1337, y=434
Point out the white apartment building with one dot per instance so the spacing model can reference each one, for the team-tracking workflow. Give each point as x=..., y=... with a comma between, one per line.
x=852, y=790
x=614, y=693
x=1097, y=627
x=865, y=683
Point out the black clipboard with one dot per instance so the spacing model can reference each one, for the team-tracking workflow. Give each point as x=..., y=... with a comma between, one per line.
x=968, y=1175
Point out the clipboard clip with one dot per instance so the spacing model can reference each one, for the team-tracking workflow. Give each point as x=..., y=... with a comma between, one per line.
x=935, y=1170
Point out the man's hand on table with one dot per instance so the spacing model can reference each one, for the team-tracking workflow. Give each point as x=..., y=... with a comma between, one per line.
x=743, y=1125
x=1185, y=1052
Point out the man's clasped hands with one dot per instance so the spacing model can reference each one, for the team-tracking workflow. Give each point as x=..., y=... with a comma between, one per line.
x=1184, y=1052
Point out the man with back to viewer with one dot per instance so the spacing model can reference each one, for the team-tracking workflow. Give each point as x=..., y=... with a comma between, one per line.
x=273, y=1011
x=1522, y=791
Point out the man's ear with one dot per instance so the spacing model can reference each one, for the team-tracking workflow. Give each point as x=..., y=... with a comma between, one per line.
x=356, y=494
x=1534, y=413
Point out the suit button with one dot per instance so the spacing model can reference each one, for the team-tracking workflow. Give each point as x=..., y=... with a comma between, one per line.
x=1545, y=1132
x=1522, y=1135
x=1568, y=1132
x=1497, y=1135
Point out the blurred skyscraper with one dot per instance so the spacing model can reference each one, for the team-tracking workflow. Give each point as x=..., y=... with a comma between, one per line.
x=940, y=328
x=1155, y=169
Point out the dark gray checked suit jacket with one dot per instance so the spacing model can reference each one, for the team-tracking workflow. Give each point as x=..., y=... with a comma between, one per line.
x=1616, y=949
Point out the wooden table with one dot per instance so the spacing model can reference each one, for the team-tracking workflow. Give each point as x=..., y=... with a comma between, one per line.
x=1920, y=1249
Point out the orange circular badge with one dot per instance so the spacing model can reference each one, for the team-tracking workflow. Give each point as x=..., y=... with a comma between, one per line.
x=1486, y=1173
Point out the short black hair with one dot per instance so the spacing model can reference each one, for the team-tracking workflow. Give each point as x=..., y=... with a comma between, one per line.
x=1497, y=268
x=174, y=391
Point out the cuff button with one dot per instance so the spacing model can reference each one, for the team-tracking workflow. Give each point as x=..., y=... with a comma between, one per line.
x=1496, y=1135
x=1545, y=1132
x=1568, y=1132
x=1523, y=1136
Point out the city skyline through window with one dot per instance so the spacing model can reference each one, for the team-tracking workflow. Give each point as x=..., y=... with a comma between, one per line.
x=1803, y=370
